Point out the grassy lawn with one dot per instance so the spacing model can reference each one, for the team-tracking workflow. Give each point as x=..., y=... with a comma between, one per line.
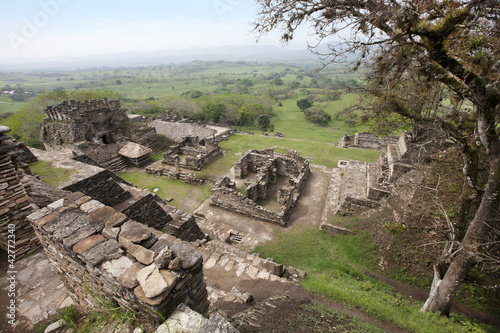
x=49, y=173
x=335, y=267
x=322, y=153
x=186, y=197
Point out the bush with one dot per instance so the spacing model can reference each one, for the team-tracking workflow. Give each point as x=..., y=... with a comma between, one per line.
x=317, y=116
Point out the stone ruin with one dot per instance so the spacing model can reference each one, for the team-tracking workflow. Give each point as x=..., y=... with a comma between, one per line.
x=94, y=129
x=104, y=186
x=15, y=204
x=263, y=171
x=100, y=252
x=192, y=153
x=358, y=186
x=367, y=140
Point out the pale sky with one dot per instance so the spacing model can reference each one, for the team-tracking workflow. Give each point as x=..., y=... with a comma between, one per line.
x=38, y=29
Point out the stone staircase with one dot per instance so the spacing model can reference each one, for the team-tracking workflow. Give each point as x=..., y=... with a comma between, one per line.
x=234, y=261
x=117, y=164
x=356, y=186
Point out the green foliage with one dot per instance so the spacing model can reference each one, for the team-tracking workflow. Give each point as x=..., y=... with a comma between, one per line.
x=336, y=267
x=317, y=116
x=49, y=173
x=304, y=103
x=263, y=122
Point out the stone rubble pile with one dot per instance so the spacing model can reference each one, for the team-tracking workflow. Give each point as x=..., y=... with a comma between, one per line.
x=100, y=252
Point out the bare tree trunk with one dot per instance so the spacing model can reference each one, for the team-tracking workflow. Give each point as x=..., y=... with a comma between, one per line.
x=444, y=288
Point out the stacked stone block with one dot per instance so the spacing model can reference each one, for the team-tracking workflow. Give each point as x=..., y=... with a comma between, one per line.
x=268, y=165
x=100, y=252
x=15, y=204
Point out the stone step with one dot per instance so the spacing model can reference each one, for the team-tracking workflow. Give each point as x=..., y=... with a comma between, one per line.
x=242, y=266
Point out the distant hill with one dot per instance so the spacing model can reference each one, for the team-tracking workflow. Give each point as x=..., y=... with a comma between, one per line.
x=253, y=53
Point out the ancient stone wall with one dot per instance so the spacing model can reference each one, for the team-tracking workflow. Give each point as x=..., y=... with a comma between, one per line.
x=227, y=197
x=99, y=252
x=103, y=186
x=268, y=165
x=367, y=140
x=17, y=236
x=98, y=129
x=196, y=153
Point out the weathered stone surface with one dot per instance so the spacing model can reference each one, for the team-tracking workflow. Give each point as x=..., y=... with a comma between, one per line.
x=163, y=258
x=161, y=244
x=78, y=236
x=125, y=242
x=128, y=278
x=152, y=281
x=169, y=277
x=117, y=266
x=217, y=323
x=88, y=243
x=182, y=320
x=153, y=300
x=56, y=204
x=110, y=232
x=148, y=243
x=175, y=264
x=91, y=206
x=101, y=214
x=116, y=220
x=141, y=254
x=109, y=249
x=134, y=231
x=187, y=254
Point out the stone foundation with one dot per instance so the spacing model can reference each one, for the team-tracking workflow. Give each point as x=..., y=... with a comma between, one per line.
x=268, y=165
x=192, y=154
x=100, y=253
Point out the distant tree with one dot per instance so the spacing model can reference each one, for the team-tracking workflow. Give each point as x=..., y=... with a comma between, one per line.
x=304, y=103
x=278, y=82
x=217, y=112
x=263, y=122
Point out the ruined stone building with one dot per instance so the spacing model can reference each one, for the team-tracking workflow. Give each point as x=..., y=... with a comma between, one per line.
x=192, y=153
x=97, y=130
x=262, y=174
x=367, y=140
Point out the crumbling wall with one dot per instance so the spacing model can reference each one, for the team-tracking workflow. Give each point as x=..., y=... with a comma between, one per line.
x=103, y=186
x=227, y=197
x=17, y=237
x=268, y=165
x=367, y=140
x=99, y=251
x=197, y=153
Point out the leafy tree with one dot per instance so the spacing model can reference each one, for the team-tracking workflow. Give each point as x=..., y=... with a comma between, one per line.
x=263, y=122
x=450, y=42
x=317, y=116
x=304, y=103
x=217, y=112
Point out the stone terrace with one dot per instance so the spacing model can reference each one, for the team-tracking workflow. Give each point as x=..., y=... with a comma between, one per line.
x=95, y=247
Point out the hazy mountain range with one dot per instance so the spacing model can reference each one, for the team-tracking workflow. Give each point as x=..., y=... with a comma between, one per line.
x=254, y=53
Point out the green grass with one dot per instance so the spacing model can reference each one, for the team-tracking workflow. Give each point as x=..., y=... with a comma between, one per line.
x=50, y=174
x=322, y=153
x=186, y=197
x=335, y=267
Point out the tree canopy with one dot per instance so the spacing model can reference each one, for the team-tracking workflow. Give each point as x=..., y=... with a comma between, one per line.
x=428, y=46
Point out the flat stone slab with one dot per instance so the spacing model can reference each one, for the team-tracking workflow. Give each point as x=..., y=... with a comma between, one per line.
x=187, y=254
x=40, y=291
x=134, y=231
x=109, y=249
